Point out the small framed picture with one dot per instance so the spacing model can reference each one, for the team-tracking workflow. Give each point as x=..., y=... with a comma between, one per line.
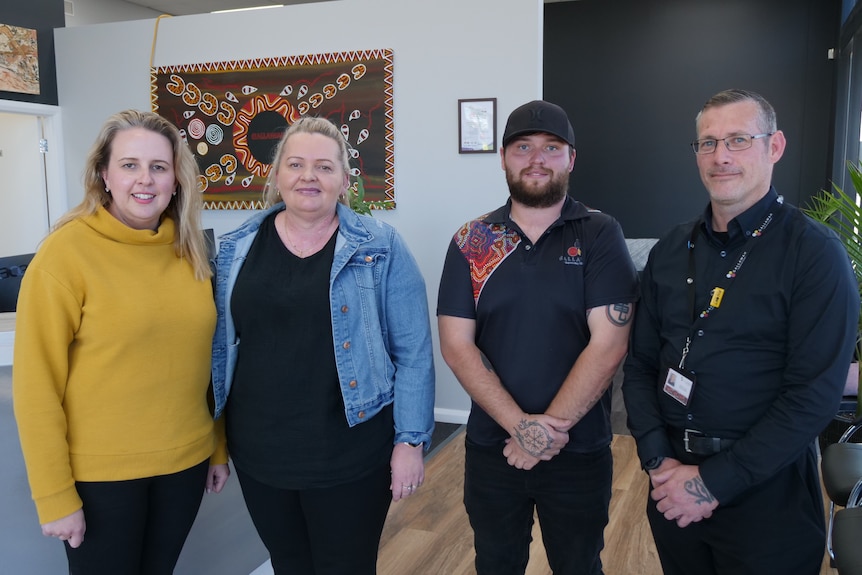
x=477, y=126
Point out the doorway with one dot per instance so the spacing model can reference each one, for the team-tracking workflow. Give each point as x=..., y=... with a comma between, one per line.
x=32, y=192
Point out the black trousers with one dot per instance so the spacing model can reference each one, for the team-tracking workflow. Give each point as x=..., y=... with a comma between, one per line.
x=777, y=527
x=325, y=531
x=570, y=494
x=137, y=527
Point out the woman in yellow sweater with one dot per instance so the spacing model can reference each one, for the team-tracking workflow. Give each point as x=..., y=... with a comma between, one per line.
x=112, y=358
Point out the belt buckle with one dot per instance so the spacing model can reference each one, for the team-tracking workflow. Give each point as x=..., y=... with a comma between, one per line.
x=685, y=438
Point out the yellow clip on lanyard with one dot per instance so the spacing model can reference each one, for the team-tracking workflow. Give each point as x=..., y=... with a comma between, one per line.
x=717, y=294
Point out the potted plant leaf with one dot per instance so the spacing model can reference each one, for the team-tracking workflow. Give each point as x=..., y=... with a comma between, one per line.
x=842, y=213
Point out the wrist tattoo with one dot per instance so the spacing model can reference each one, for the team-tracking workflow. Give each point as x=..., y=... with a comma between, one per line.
x=619, y=313
x=533, y=437
x=698, y=490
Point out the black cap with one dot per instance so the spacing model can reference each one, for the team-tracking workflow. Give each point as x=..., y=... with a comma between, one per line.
x=539, y=116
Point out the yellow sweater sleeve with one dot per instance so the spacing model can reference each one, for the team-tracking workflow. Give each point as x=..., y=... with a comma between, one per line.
x=48, y=316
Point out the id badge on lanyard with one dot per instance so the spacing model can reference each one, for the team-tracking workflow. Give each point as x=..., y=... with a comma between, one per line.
x=679, y=382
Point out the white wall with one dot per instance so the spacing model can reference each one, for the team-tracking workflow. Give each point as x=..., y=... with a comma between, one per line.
x=100, y=11
x=443, y=50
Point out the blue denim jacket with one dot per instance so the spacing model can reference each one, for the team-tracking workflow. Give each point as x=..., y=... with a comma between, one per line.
x=381, y=333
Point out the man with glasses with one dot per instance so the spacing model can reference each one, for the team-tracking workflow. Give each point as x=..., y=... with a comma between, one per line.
x=535, y=304
x=739, y=356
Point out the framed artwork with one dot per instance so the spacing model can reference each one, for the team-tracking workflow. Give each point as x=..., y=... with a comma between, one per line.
x=477, y=126
x=19, y=60
x=234, y=113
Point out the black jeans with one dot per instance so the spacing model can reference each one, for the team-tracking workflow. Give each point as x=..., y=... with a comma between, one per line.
x=776, y=527
x=139, y=526
x=326, y=531
x=570, y=494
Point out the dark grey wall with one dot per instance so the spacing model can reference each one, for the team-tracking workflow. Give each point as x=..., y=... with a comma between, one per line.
x=633, y=74
x=42, y=16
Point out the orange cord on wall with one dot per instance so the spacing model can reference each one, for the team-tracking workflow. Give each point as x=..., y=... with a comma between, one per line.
x=155, y=35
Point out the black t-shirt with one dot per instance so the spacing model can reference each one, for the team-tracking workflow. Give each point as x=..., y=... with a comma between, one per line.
x=285, y=414
x=530, y=302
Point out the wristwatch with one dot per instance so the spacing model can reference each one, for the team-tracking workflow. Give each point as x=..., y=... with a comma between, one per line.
x=653, y=463
x=420, y=444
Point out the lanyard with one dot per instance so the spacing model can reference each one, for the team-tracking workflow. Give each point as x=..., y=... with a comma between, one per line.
x=720, y=290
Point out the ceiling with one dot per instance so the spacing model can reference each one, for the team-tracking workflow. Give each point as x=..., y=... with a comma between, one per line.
x=186, y=7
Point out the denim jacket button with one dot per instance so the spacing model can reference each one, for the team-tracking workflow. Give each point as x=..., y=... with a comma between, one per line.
x=344, y=309
x=346, y=345
x=352, y=383
x=369, y=259
x=361, y=415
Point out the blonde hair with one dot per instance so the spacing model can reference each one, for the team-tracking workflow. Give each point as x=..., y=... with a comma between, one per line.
x=306, y=125
x=184, y=208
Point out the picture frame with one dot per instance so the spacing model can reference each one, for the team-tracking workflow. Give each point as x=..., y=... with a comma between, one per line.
x=477, y=126
x=233, y=113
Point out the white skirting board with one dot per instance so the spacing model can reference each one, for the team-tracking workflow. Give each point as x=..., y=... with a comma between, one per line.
x=451, y=415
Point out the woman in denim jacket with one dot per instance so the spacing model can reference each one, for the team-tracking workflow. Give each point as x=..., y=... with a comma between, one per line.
x=322, y=362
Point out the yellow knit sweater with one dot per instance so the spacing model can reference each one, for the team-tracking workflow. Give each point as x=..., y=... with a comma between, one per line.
x=111, y=362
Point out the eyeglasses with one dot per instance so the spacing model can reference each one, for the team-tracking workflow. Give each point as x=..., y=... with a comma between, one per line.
x=735, y=143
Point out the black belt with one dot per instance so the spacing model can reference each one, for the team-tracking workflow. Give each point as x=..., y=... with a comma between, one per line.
x=699, y=444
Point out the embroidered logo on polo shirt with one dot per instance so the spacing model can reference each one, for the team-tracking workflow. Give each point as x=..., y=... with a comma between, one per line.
x=573, y=255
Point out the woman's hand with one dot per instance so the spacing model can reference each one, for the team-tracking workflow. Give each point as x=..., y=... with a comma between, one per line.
x=408, y=470
x=217, y=477
x=70, y=528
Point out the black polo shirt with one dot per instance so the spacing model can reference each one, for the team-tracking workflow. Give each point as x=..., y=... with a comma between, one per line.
x=530, y=302
x=770, y=361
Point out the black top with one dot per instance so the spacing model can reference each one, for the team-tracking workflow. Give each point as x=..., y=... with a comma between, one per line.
x=530, y=302
x=285, y=415
x=770, y=361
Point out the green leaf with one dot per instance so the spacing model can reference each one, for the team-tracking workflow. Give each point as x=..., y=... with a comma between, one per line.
x=842, y=213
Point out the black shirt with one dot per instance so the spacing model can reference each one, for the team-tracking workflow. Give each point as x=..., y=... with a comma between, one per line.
x=285, y=415
x=770, y=362
x=530, y=304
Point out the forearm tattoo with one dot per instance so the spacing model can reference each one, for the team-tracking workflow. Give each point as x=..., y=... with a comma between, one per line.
x=619, y=313
x=533, y=437
x=593, y=401
x=698, y=490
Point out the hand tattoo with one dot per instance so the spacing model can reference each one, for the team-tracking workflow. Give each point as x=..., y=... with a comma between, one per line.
x=698, y=490
x=619, y=313
x=533, y=437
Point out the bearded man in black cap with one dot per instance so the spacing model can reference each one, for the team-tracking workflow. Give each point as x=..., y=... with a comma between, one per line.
x=534, y=311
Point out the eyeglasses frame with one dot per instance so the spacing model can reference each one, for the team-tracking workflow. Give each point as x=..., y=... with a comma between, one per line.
x=695, y=145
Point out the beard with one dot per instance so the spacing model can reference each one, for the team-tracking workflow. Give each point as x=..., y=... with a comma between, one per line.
x=541, y=196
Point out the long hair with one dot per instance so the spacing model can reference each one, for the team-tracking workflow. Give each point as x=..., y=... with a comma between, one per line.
x=766, y=119
x=306, y=125
x=184, y=208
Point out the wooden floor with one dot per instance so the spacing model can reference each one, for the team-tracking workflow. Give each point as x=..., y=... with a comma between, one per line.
x=429, y=534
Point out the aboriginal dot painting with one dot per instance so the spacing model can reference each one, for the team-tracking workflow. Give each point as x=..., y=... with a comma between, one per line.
x=232, y=114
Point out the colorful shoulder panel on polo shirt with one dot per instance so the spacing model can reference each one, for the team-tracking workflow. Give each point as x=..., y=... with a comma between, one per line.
x=485, y=246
